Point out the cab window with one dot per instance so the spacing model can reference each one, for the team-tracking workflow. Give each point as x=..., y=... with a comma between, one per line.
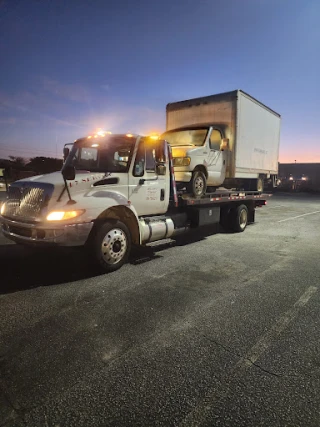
x=150, y=160
x=139, y=164
x=215, y=140
x=148, y=155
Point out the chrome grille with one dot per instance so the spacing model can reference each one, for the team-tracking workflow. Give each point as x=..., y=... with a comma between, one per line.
x=26, y=200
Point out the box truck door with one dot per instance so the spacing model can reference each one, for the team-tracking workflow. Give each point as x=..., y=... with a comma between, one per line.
x=148, y=181
x=216, y=159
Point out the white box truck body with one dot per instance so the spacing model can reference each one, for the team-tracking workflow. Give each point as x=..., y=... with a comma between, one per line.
x=240, y=146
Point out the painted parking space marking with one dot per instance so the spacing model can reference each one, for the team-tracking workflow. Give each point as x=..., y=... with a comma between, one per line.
x=299, y=216
x=201, y=412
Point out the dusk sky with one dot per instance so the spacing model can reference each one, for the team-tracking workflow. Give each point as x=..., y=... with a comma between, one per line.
x=71, y=66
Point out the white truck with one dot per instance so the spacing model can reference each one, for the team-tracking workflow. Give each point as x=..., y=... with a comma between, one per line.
x=229, y=140
x=114, y=191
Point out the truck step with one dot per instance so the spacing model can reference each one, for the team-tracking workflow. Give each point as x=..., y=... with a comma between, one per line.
x=160, y=243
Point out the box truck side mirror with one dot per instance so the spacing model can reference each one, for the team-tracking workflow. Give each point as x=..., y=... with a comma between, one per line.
x=161, y=169
x=224, y=146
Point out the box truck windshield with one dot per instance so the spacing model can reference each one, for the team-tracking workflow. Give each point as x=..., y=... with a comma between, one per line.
x=191, y=137
x=111, y=155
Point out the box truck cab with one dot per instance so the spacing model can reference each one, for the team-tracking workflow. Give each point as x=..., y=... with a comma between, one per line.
x=229, y=139
x=199, y=157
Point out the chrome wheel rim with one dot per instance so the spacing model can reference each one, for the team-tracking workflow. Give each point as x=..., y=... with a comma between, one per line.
x=243, y=218
x=114, y=246
x=198, y=186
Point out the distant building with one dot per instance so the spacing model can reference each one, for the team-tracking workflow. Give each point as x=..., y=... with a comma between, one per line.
x=303, y=176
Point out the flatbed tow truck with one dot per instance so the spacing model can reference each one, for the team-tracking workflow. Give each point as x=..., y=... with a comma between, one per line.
x=114, y=192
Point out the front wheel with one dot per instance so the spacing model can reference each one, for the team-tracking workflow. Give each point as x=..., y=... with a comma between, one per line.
x=111, y=245
x=198, y=184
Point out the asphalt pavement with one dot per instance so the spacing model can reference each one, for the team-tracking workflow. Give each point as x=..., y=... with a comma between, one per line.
x=216, y=329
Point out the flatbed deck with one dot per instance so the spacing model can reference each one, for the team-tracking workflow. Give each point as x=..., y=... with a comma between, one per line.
x=222, y=196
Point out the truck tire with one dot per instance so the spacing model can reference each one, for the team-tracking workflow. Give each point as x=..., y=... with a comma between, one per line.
x=198, y=184
x=111, y=245
x=239, y=218
x=252, y=185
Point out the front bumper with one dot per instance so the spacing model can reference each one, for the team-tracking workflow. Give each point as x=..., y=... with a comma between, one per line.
x=46, y=234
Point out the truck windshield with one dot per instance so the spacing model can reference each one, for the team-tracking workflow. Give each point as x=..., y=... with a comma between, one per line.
x=186, y=136
x=109, y=154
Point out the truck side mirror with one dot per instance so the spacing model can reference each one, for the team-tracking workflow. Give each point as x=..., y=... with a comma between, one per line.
x=66, y=152
x=224, y=145
x=68, y=173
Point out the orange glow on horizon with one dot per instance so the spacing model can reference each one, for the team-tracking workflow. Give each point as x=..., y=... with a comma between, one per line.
x=298, y=157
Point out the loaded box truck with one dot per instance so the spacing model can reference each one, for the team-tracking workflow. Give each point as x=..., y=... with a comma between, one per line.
x=229, y=139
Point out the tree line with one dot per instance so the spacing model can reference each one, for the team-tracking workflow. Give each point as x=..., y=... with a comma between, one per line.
x=19, y=167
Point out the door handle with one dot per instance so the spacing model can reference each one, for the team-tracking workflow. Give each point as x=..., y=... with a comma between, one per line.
x=143, y=180
x=162, y=193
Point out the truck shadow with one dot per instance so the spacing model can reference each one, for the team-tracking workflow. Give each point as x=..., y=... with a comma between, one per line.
x=199, y=234
x=147, y=253
x=25, y=268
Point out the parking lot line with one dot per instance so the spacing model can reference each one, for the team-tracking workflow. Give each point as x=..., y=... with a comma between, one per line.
x=266, y=340
x=299, y=216
x=200, y=413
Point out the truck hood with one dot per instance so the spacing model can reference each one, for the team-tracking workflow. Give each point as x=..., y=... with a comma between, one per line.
x=83, y=179
x=31, y=198
x=53, y=184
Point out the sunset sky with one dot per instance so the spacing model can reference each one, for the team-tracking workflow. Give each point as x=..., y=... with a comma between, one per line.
x=69, y=67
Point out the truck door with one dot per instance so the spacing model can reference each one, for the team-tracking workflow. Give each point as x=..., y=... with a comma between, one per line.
x=216, y=160
x=149, y=178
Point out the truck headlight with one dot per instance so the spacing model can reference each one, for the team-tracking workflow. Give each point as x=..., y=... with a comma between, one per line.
x=181, y=161
x=62, y=215
x=3, y=208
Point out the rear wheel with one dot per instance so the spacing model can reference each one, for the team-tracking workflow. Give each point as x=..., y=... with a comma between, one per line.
x=111, y=245
x=239, y=218
x=259, y=184
x=253, y=184
x=198, y=184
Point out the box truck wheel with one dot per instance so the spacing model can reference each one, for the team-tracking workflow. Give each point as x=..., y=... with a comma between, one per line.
x=111, y=245
x=239, y=218
x=259, y=184
x=198, y=184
